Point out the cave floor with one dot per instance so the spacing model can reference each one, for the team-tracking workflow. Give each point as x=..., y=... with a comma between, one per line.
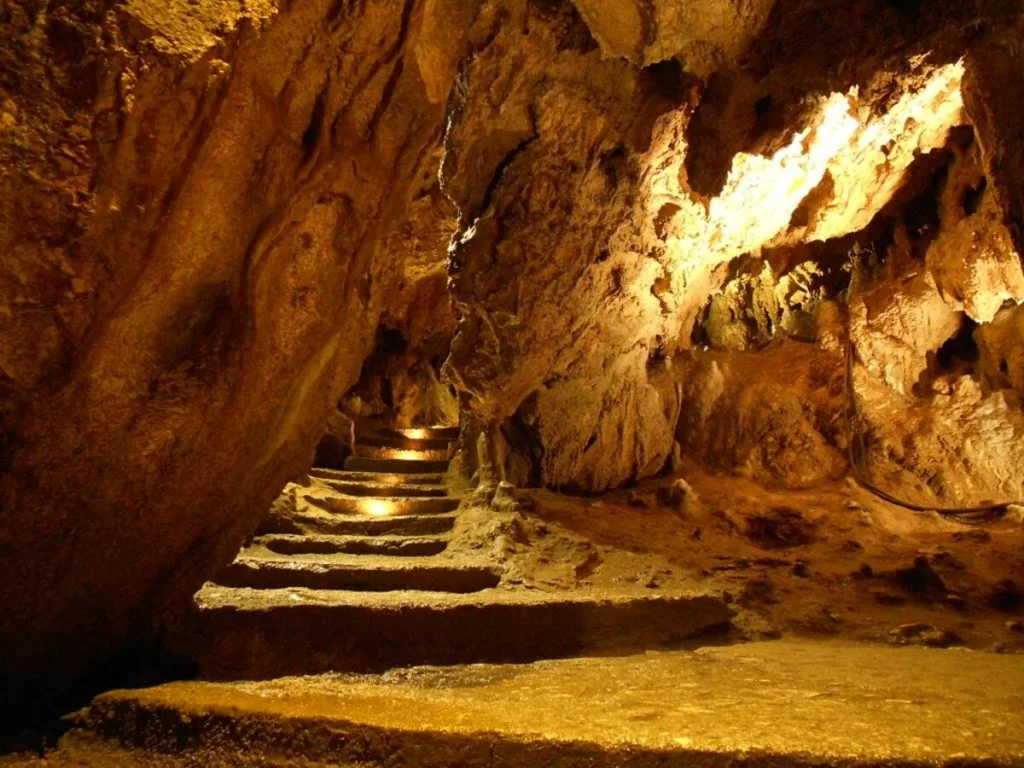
x=831, y=562
x=782, y=703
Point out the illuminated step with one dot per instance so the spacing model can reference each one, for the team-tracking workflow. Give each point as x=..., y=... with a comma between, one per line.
x=381, y=478
x=402, y=454
x=357, y=573
x=398, y=441
x=394, y=466
x=425, y=433
x=401, y=546
x=343, y=525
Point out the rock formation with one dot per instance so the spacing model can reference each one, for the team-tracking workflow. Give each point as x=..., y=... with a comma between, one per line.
x=771, y=236
x=194, y=199
x=609, y=232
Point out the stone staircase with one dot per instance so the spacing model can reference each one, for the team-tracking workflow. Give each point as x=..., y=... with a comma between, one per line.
x=364, y=576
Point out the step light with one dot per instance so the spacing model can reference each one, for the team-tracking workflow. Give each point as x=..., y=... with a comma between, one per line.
x=378, y=507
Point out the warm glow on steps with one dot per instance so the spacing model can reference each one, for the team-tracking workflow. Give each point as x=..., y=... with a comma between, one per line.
x=378, y=507
x=401, y=454
x=413, y=454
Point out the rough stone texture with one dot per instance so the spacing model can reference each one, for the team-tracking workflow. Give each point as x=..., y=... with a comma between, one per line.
x=936, y=383
x=815, y=48
x=995, y=69
x=704, y=36
x=193, y=199
x=761, y=705
x=535, y=161
x=211, y=212
x=400, y=380
x=603, y=208
x=774, y=416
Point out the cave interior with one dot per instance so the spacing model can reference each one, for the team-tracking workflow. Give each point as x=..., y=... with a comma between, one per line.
x=511, y=382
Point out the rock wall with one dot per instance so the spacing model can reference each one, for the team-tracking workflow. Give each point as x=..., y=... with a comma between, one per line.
x=401, y=379
x=605, y=204
x=549, y=335
x=193, y=197
x=938, y=415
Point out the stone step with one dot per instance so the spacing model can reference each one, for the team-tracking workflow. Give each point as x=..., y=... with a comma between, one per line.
x=394, y=466
x=402, y=546
x=402, y=525
x=387, y=440
x=386, y=489
x=387, y=506
x=367, y=451
x=424, y=433
x=758, y=705
x=356, y=573
x=252, y=634
x=379, y=478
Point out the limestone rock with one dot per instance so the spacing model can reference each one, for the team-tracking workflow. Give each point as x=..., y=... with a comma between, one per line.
x=706, y=36
x=650, y=222
x=926, y=375
x=774, y=416
x=192, y=196
x=581, y=184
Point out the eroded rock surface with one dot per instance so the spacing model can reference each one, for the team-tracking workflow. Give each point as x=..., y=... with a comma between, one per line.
x=614, y=217
x=194, y=198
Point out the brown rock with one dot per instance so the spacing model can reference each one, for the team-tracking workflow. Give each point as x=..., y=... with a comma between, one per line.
x=192, y=197
x=780, y=528
x=920, y=580
x=925, y=634
x=1006, y=596
x=678, y=496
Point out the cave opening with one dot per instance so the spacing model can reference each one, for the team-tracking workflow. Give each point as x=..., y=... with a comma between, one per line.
x=512, y=383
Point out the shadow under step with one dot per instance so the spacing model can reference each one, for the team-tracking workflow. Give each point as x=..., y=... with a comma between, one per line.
x=394, y=466
x=386, y=490
x=400, y=546
x=337, y=525
x=251, y=634
x=387, y=576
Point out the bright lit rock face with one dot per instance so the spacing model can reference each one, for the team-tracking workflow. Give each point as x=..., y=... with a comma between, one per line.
x=937, y=394
x=617, y=223
x=193, y=204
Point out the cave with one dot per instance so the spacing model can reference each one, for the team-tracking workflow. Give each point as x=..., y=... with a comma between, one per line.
x=511, y=383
